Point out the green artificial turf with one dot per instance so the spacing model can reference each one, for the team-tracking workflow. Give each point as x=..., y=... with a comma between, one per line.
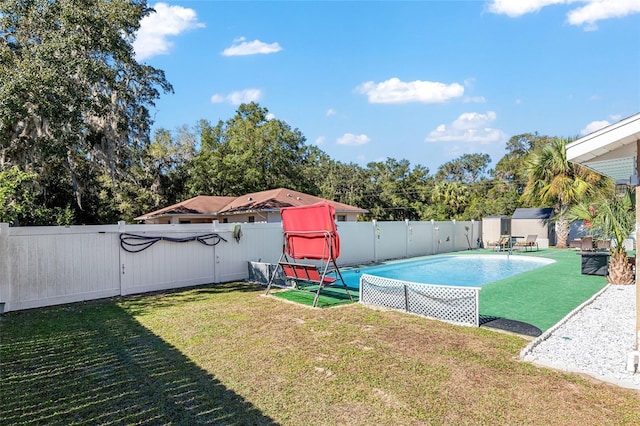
x=330, y=296
x=543, y=296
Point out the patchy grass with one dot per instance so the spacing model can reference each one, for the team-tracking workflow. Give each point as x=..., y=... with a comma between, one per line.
x=228, y=355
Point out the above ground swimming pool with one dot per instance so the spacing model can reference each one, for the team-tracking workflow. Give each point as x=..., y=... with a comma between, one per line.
x=460, y=270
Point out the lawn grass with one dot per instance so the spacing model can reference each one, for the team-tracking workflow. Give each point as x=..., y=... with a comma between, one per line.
x=225, y=354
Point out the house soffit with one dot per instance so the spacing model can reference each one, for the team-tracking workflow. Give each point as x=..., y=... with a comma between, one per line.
x=610, y=151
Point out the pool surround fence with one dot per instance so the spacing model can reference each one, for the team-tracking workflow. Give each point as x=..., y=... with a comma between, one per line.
x=458, y=305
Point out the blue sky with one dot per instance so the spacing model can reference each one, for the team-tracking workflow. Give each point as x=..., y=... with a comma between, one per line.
x=425, y=81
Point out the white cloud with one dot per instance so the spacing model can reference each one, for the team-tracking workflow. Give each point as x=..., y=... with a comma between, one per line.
x=593, y=126
x=270, y=116
x=515, y=8
x=468, y=127
x=152, y=37
x=394, y=91
x=250, y=48
x=354, y=140
x=238, y=97
x=331, y=112
x=320, y=140
x=587, y=14
x=600, y=10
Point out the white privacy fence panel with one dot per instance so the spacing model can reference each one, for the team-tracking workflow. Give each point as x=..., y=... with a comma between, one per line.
x=41, y=266
x=166, y=264
x=444, y=237
x=459, y=305
x=419, y=239
x=356, y=243
x=259, y=242
x=390, y=240
x=51, y=265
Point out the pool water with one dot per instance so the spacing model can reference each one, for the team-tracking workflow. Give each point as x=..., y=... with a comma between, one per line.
x=465, y=271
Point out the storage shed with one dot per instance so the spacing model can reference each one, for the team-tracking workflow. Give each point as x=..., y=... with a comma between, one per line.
x=534, y=221
x=493, y=227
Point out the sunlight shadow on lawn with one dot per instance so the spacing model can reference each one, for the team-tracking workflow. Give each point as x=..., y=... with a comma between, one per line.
x=95, y=364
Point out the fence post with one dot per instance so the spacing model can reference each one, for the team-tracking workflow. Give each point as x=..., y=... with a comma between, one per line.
x=473, y=240
x=121, y=271
x=216, y=259
x=433, y=237
x=376, y=235
x=406, y=298
x=454, y=247
x=5, y=282
x=407, y=232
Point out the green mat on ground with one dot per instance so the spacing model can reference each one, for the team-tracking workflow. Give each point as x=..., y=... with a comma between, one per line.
x=329, y=296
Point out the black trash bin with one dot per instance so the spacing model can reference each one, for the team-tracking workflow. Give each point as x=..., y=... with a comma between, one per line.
x=595, y=262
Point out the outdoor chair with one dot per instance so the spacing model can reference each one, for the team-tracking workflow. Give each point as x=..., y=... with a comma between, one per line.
x=504, y=243
x=575, y=244
x=603, y=244
x=529, y=242
x=586, y=244
x=310, y=232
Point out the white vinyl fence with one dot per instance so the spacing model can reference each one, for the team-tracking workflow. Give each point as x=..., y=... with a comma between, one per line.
x=42, y=266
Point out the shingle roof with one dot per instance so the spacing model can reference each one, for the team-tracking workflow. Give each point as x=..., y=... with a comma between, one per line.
x=533, y=213
x=202, y=204
x=271, y=200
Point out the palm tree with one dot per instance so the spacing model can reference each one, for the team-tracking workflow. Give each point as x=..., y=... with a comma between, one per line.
x=452, y=198
x=553, y=181
x=611, y=218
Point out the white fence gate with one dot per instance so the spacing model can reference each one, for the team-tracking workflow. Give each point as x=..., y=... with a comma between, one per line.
x=158, y=263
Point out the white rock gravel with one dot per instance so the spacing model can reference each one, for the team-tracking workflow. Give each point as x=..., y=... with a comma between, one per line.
x=594, y=339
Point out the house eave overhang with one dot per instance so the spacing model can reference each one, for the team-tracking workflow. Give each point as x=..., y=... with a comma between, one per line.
x=174, y=214
x=610, y=151
x=248, y=211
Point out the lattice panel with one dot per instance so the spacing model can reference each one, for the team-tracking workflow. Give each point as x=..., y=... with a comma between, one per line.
x=446, y=303
x=382, y=295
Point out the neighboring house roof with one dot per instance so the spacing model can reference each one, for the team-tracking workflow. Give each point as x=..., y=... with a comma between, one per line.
x=275, y=199
x=271, y=200
x=533, y=213
x=202, y=204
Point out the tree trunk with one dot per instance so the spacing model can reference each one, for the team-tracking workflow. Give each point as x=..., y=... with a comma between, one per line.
x=562, y=232
x=620, y=270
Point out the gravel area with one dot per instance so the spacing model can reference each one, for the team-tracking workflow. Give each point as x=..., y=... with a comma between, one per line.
x=594, y=339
